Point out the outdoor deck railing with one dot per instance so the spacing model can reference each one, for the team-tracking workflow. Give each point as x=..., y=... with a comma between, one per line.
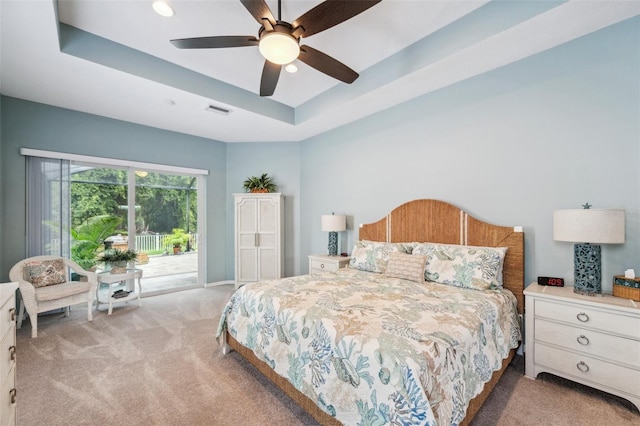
x=145, y=243
x=155, y=242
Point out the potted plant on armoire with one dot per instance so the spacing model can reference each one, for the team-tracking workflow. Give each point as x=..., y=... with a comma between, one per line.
x=261, y=184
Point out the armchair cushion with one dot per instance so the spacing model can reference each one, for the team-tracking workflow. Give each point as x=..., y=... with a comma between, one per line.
x=45, y=272
x=59, y=291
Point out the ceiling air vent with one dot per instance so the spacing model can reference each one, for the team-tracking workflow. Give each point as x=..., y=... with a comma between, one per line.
x=218, y=110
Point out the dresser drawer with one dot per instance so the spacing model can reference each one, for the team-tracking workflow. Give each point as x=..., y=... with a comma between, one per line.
x=8, y=400
x=587, y=316
x=7, y=354
x=7, y=315
x=590, y=369
x=589, y=342
x=318, y=266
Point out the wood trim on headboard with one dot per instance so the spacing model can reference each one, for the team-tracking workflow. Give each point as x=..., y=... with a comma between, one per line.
x=440, y=222
x=376, y=231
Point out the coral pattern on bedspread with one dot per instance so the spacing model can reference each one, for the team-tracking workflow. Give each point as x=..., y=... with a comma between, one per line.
x=373, y=350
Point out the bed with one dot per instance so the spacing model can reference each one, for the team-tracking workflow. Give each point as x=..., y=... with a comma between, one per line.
x=374, y=343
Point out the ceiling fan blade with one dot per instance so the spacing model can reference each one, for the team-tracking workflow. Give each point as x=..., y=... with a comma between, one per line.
x=331, y=13
x=326, y=64
x=259, y=9
x=214, y=42
x=269, y=80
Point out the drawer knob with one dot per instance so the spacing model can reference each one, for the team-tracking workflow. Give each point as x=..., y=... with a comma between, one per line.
x=13, y=393
x=583, y=340
x=322, y=266
x=582, y=317
x=12, y=314
x=582, y=366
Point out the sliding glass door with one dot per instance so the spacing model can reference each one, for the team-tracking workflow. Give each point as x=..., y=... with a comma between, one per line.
x=85, y=207
x=166, y=231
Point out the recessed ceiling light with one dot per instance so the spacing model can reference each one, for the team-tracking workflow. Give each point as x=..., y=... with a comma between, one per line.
x=291, y=68
x=163, y=8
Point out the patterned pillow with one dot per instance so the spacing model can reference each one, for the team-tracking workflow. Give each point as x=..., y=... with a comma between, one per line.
x=46, y=272
x=372, y=256
x=406, y=266
x=474, y=267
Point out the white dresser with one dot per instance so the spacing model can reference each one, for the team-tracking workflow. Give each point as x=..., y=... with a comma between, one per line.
x=593, y=340
x=325, y=263
x=8, y=353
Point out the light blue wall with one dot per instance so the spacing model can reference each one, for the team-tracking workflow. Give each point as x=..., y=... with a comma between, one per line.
x=37, y=126
x=551, y=132
x=281, y=161
x=2, y=190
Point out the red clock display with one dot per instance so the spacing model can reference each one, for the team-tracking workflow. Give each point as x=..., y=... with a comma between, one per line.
x=557, y=282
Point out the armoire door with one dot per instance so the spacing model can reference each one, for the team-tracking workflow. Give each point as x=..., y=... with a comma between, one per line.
x=267, y=240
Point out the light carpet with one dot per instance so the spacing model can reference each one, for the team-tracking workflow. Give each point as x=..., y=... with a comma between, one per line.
x=159, y=364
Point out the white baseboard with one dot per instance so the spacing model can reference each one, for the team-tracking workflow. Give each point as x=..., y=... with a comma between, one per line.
x=218, y=283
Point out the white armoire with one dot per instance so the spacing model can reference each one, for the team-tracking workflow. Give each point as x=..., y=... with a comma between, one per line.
x=259, y=237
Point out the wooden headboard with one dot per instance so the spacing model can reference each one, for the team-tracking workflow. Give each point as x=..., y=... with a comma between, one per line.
x=440, y=222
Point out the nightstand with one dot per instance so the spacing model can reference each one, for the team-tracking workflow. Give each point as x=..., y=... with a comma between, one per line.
x=325, y=263
x=591, y=340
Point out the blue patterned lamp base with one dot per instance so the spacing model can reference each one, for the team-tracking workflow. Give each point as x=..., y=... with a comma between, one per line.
x=333, y=243
x=587, y=269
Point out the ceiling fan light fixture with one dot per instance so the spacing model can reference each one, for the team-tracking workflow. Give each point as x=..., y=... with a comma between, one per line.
x=291, y=68
x=279, y=48
x=163, y=8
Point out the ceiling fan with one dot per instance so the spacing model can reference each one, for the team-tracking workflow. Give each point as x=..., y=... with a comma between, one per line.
x=279, y=41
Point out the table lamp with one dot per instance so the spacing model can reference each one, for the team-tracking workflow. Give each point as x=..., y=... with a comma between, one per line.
x=588, y=228
x=333, y=223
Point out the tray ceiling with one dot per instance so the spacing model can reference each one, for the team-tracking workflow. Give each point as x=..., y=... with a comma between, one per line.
x=113, y=58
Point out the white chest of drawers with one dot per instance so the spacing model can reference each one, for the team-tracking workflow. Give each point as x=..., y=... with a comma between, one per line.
x=8, y=353
x=591, y=340
x=324, y=263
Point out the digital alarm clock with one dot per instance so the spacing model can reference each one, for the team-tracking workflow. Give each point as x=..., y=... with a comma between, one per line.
x=556, y=282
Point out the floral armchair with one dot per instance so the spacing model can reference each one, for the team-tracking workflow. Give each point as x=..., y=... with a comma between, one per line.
x=45, y=285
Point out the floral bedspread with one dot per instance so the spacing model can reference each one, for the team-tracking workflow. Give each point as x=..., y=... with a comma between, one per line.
x=372, y=350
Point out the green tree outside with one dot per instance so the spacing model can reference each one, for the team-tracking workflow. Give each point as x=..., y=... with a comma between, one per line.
x=163, y=202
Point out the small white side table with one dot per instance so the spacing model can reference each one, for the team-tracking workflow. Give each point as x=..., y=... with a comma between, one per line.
x=111, y=279
x=319, y=263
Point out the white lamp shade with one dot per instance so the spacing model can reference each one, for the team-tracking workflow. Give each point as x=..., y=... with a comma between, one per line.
x=334, y=223
x=597, y=226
